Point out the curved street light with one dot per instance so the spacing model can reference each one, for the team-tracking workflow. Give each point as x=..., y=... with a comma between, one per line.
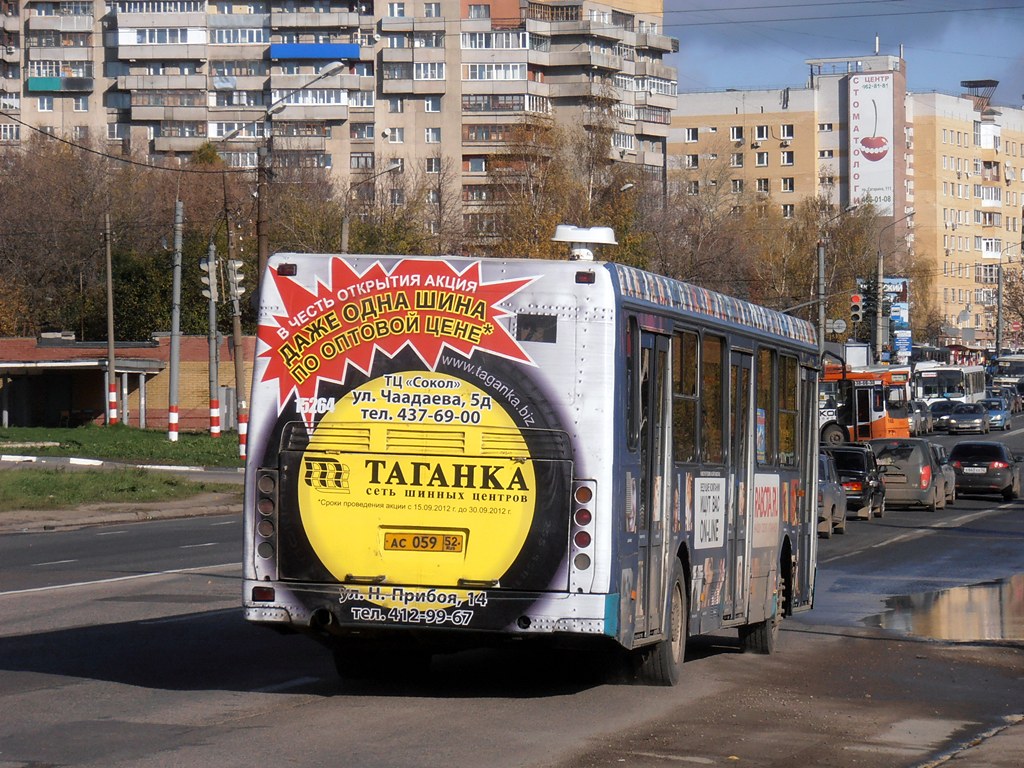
x=263, y=167
x=394, y=165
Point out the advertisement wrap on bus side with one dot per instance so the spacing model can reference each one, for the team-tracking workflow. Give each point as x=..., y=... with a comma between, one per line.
x=439, y=488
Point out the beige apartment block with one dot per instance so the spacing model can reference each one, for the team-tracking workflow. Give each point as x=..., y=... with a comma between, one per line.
x=945, y=169
x=969, y=153
x=434, y=85
x=786, y=144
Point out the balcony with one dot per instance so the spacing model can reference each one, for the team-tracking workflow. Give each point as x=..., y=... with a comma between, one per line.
x=416, y=87
x=300, y=143
x=280, y=19
x=654, y=42
x=10, y=23
x=314, y=51
x=161, y=82
x=312, y=112
x=148, y=20
x=288, y=83
x=178, y=143
x=59, y=84
x=59, y=54
x=161, y=113
x=10, y=54
x=62, y=23
x=582, y=28
x=169, y=52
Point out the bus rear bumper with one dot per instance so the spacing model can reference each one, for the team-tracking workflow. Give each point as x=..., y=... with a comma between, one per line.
x=338, y=609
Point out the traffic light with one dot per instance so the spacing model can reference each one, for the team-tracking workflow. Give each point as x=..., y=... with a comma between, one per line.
x=856, y=308
x=235, y=278
x=209, y=278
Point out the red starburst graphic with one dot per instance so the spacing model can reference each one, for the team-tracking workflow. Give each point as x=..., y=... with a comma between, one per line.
x=426, y=305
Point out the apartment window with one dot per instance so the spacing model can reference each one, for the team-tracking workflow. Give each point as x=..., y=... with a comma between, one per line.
x=44, y=104
x=396, y=10
x=397, y=196
x=825, y=127
x=80, y=132
x=788, y=184
x=762, y=133
x=396, y=105
x=737, y=185
x=762, y=186
x=736, y=133
x=691, y=161
x=480, y=11
x=432, y=104
x=761, y=159
x=432, y=135
x=361, y=161
x=432, y=10
x=736, y=160
x=360, y=131
x=693, y=187
x=10, y=132
x=787, y=131
x=788, y=210
x=476, y=164
x=429, y=70
x=691, y=135
x=396, y=136
x=396, y=41
x=80, y=103
x=433, y=165
x=825, y=154
x=786, y=158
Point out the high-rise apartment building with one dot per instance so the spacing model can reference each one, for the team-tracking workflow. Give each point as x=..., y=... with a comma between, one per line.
x=339, y=84
x=944, y=170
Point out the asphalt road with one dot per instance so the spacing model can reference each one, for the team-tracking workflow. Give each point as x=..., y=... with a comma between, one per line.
x=123, y=645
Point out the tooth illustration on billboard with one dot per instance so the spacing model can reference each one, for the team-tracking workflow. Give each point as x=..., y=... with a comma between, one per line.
x=874, y=147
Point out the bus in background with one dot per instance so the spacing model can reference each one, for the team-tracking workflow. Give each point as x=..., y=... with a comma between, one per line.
x=863, y=403
x=1007, y=371
x=961, y=383
x=449, y=451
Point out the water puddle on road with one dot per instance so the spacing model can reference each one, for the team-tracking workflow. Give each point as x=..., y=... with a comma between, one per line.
x=993, y=610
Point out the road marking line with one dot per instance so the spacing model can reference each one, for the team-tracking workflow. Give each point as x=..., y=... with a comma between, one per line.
x=197, y=546
x=53, y=562
x=112, y=580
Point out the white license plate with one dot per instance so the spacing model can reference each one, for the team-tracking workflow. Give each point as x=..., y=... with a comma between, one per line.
x=974, y=470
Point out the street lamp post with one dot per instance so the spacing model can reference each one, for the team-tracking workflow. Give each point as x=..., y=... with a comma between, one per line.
x=999, y=299
x=392, y=166
x=263, y=168
x=821, y=278
x=879, y=289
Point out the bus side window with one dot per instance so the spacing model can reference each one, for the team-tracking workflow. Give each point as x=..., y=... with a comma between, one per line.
x=788, y=384
x=765, y=406
x=633, y=384
x=684, y=397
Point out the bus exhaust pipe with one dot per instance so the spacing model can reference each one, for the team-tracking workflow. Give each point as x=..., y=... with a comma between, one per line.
x=321, y=619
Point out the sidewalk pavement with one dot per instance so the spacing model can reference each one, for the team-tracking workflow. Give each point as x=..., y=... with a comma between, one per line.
x=108, y=513
x=1002, y=747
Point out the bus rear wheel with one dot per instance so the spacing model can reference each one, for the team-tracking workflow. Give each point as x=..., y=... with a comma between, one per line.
x=662, y=663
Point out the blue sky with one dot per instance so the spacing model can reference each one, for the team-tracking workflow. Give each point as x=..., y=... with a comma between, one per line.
x=764, y=43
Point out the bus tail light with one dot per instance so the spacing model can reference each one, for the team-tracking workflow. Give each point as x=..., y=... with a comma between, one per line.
x=266, y=505
x=581, y=536
x=263, y=594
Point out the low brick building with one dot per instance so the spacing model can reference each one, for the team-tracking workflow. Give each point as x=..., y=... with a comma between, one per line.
x=56, y=381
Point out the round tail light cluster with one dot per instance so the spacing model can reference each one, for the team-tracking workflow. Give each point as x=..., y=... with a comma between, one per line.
x=582, y=526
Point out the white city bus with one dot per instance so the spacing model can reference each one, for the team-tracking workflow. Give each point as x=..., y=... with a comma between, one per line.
x=962, y=383
x=449, y=451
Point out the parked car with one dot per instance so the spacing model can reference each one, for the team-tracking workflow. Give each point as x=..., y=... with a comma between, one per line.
x=831, y=498
x=861, y=479
x=998, y=412
x=968, y=417
x=948, y=473
x=921, y=420
x=986, y=467
x=940, y=413
x=911, y=475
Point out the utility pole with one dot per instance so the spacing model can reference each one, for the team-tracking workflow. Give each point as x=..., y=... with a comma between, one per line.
x=821, y=301
x=235, y=291
x=111, y=365
x=172, y=397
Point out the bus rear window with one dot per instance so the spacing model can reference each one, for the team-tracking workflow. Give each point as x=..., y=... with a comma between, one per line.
x=543, y=328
